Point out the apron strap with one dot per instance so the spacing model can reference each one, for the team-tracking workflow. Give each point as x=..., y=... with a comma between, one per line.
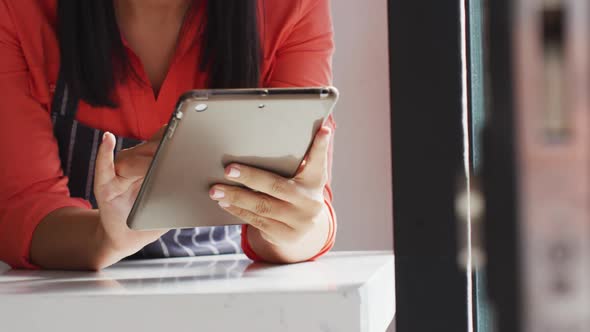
x=64, y=103
x=78, y=144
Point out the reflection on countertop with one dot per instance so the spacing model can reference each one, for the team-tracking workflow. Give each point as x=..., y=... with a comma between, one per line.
x=123, y=277
x=198, y=275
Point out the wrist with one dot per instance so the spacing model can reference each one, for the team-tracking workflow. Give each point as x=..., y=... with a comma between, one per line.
x=118, y=241
x=109, y=248
x=105, y=253
x=310, y=245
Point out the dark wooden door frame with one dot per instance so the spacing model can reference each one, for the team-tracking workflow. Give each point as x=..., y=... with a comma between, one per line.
x=427, y=150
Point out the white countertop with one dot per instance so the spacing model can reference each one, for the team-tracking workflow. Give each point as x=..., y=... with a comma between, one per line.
x=343, y=291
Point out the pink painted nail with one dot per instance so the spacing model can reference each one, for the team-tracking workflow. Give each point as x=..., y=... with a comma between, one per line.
x=216, y=194
x=234, y=172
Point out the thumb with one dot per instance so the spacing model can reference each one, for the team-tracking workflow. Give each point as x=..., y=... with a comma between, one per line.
x=314, y=172
x=104, y=171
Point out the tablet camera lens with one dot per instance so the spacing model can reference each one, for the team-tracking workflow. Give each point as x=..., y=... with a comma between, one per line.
x=201, y=107
x=261, y=106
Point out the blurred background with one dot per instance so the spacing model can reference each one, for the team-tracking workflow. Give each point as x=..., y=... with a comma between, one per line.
x=362, y=156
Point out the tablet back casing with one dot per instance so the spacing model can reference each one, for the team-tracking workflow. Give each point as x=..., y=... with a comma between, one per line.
x=270, y=129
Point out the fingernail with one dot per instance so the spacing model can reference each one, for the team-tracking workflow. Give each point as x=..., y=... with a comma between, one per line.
x=216, y=194
x=224, y=204
x=104, y=135
x=233, y=172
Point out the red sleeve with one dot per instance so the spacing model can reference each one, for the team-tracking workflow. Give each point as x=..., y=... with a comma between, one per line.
x=31, y=180
x=303, y=59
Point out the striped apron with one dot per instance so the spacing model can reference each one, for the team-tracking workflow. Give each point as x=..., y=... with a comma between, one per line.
x=78, y=145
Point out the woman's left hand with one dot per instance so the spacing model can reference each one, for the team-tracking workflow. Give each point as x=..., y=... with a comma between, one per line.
x=286, y=212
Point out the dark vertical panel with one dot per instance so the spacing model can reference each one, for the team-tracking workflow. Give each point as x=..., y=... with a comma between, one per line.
x=427, y=145
x=499, y=167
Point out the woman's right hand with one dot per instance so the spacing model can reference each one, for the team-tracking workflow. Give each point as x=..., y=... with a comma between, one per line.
x=116, y=185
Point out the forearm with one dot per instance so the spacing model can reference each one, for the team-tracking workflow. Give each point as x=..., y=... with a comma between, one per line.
x=309, y=246
x=70, y=238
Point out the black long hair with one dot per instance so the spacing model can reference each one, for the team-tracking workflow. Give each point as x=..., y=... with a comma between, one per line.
x=93, y=58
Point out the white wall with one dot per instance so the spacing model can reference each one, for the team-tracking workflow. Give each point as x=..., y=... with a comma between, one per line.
x=362, y=157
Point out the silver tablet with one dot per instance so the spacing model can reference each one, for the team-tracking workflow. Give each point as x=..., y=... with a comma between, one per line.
x=270, y=129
